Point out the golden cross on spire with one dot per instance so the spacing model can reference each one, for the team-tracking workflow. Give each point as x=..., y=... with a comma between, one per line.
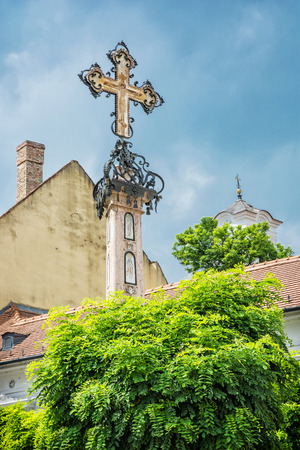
x=120, y=86
x=238, y=185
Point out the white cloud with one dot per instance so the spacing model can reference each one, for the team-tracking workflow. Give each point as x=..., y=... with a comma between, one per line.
x=187, y=180
x=18, y=59
x=251, y=27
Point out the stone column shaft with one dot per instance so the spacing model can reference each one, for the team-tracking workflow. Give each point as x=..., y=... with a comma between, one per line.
x=120, y=247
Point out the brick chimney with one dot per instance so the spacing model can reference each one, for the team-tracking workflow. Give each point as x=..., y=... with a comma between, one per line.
x=30, y=160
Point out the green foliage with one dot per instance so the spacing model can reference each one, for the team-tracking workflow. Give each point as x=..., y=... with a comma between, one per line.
x=18, y=427
x=208, y=370
x=289, y=432
x=207, y=246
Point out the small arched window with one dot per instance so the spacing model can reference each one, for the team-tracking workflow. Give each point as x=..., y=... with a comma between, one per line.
x=129, y=268
x=129, y=226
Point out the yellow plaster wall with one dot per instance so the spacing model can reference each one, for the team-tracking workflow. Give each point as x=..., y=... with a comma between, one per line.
x=153, y=275
x=53, y=246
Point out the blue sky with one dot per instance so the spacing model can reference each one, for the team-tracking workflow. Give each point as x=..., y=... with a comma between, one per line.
x=229, y=74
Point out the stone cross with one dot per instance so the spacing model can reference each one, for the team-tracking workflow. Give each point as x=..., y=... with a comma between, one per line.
x=120, y=86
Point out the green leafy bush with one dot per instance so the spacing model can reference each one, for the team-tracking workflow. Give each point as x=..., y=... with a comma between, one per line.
x=207, y=370
x=18, y=427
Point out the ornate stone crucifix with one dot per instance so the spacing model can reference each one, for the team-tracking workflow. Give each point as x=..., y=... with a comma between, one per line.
x=127, y=184
x=120, y=86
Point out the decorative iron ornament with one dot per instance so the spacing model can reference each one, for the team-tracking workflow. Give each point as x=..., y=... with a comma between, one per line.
x=120, y=86
x=128, y=172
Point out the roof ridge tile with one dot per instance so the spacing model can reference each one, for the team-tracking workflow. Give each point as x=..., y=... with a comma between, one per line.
x=273, y=262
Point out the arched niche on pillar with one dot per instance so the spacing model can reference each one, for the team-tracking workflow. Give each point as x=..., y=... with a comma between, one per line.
x=129, y=232
x=129, y=268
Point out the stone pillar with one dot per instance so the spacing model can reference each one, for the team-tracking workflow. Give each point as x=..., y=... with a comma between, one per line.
x=124, y=255
x=30, y=160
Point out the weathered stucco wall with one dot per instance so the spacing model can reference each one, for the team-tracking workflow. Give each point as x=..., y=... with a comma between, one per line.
x=53, y=246
x=153, y=275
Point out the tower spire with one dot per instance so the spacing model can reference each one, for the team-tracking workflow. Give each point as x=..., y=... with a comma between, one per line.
x=238, y=185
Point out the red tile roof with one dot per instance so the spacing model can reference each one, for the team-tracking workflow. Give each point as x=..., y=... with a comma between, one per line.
x=170, y=289
x=16, y=320
x=287, y=270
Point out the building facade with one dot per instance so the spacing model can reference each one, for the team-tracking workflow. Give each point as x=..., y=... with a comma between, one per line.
x=53, y=245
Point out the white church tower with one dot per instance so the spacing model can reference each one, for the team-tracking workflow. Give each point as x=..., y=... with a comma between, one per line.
x=241, y=213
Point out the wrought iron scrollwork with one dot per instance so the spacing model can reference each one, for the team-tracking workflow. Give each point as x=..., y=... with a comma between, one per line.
x=114, y=55
x=152, y=100
x=128, y=171
x=88, y=78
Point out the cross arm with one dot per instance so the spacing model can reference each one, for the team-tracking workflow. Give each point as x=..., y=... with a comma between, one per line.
x=146, y=96
x=97, y=82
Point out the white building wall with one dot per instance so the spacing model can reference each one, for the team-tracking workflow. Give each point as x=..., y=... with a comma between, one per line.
x=14, y=384
x=292, y=329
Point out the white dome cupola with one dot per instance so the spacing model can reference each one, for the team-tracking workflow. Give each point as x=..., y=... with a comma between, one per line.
x=241, y=213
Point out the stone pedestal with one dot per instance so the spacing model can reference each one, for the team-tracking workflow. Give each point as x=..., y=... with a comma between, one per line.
x=126, y=186
x=124, y=257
